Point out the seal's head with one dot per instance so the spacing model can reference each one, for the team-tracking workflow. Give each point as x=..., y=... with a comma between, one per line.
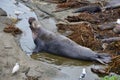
x=33, y=23
x=31, y=19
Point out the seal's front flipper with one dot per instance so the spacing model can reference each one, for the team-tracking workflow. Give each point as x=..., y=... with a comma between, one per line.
x=39, y=45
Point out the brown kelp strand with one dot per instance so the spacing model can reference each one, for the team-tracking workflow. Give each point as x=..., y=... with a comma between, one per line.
x=108, y=15
x=114, y=66
x=106, y=34
x=97, y=18
x=12, y=29
x=83, y=34
x=74, y=4
x=83, y=17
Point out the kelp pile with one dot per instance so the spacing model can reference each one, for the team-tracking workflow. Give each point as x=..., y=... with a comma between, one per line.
x=114, y=66
x=73, y=4
x=83, y=34
x=69, y=3
x=83, y=17
x=10, y=28
x=89, y=31
x=108, y=15
x=96, y=18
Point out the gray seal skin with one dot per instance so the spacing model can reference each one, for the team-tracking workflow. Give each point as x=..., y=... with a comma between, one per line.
x=89, y=9
x=60, y=45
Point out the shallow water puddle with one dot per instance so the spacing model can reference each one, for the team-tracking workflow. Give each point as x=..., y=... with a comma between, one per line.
x=71, y=67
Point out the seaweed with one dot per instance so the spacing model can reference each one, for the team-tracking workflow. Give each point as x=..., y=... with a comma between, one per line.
x=10, y=28
x=96, y=18
x=72, y=4
x=83, y=17
x=83, y=34
x=114, y=66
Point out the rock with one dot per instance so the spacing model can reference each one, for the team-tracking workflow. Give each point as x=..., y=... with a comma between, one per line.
x=106, y=26
x=117, y=29
x=112, y=4
x=12, y=53
x=2, y=12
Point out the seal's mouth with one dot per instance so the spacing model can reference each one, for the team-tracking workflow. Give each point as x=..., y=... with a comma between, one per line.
x=33, y=23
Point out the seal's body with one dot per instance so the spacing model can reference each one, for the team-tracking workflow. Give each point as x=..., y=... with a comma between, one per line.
x=60, y=45
x=89, y=9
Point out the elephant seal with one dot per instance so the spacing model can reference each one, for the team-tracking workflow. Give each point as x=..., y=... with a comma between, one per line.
x=89, y=9
x=57, y=44
x=112, y=4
